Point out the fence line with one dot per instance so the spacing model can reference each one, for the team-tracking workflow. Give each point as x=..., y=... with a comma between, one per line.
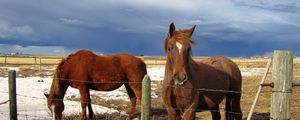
x=44, y=98
x=200, y=89
x=123, y=82
x=220, y=110
x=149, y=60
x=4, y=102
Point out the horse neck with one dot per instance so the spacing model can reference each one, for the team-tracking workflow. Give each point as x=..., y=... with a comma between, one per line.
x=59, y=92
x=58, y=87
x=193, y=64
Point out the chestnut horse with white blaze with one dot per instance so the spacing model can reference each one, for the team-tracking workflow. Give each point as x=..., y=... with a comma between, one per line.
x=191, y=86
x=85, y=70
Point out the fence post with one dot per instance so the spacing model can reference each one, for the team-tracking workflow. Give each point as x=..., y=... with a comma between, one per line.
x=40, y=64
x=12, y=94
x=35, y=60
x=282, y=76
x=146, y=98
x=5, y=60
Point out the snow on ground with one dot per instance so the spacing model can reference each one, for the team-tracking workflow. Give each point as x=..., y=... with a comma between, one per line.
x=156, y=73
x=32, y=102
x=246, y=72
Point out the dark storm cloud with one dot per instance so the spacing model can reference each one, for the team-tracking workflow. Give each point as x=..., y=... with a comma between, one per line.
x=227, y=27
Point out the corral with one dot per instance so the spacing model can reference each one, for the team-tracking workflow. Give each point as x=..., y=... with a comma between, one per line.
x=39, y=71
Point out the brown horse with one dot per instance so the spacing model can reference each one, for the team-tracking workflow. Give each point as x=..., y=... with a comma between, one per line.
x=189, y=87
x=84, y=70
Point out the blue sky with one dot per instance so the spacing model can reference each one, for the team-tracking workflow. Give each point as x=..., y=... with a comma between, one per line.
x=224, y=27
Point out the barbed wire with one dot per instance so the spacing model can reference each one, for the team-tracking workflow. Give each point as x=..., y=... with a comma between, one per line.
x=4, y=102
x=124, y=82
x=200, y=89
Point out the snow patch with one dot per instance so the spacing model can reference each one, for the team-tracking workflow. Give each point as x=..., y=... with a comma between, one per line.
x=156, y=73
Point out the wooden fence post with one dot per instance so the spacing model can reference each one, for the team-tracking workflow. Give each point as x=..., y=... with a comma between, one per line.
x=5, y=60
x=146, y=98
x=35, y=60
x=282, y=76
x=12, y=94
x=40, y=64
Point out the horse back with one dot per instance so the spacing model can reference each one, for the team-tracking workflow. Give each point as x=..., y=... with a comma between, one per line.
x=102, y=72
x=228, y=67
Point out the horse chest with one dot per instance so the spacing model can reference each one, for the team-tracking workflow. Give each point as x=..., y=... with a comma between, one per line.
x=182, y=97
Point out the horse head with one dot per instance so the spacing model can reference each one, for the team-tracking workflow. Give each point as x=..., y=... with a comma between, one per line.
x=178, y=49
x=55, y=105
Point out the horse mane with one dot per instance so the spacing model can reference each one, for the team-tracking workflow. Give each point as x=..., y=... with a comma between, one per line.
x=57, y=76
x=181, y=36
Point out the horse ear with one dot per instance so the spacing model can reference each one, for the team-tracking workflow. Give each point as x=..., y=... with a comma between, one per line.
x=166, y=44
x=46, y=94
x=171, y=29
x=192, y=30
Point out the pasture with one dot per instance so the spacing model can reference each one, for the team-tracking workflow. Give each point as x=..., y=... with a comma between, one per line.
x=116, y=103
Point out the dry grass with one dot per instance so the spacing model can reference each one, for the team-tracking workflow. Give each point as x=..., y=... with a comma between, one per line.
x=30, y=60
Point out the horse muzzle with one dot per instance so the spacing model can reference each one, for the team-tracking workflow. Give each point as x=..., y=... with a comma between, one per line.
x=179, y=81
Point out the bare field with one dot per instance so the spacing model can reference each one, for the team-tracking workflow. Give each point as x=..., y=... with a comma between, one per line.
x=250, y=86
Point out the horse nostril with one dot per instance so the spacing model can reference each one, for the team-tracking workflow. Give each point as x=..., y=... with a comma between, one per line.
x=184, y=77
x=174, y=76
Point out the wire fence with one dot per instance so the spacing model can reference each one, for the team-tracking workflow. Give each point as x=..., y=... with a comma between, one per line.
x=29, y=113
x=33, y=113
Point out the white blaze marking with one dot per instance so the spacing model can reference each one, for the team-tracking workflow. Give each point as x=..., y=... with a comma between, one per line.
x=179, y=46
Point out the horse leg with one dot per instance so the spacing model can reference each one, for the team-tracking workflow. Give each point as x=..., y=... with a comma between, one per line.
x=91, y=113
x=215, y=113
x=190, y=113
x=172, y=114
x=133, y=98
x=84, y=101
x=228, y=107
x=236, y=107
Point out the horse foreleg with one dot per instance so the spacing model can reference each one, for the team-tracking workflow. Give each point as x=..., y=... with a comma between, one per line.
x=189, y=114
x=84, y=102
x=172, y=114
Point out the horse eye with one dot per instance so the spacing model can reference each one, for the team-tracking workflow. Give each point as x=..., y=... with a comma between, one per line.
x=170, y=48
x=189, y=49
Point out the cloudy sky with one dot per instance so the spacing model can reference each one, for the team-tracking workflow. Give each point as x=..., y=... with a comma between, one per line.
x=224, y=27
